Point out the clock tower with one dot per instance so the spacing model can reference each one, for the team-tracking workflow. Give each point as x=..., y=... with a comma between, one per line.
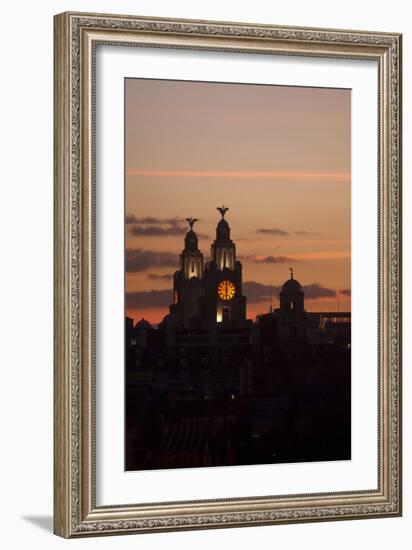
x=223, y=301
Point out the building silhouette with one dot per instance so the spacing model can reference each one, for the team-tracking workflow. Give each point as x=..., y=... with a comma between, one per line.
x=209, y=387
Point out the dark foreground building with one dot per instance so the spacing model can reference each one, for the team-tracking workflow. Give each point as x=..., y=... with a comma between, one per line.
x=209, y=387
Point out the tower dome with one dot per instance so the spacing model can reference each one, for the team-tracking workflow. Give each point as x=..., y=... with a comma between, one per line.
x=223, y=231
x=223, y=249
x=143, y=325
x=191, y=241
x=292, y=296
x=291, y=286
x=191, y=259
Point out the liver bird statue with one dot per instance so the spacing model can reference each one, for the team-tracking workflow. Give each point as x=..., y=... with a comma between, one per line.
x=222, y=209
x=191, y=222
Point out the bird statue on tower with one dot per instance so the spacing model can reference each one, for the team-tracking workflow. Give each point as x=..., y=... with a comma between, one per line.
x=222, y=209
x=191, y=222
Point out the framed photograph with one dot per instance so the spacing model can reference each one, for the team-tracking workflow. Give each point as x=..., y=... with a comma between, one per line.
x=227, y=274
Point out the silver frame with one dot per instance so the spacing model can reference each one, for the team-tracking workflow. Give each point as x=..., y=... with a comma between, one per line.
x=75, y=510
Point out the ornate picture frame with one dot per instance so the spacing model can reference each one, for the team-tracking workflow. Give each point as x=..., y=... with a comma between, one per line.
x=76, y=511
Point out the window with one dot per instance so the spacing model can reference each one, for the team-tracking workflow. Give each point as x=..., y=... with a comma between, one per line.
x=225, y=314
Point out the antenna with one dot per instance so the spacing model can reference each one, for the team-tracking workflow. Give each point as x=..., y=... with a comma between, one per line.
x=291, y=272
x=271, y=306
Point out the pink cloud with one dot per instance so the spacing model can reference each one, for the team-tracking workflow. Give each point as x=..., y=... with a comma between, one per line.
x=254, y=174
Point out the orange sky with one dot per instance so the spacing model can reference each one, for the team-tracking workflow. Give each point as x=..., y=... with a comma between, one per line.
x=278, y=156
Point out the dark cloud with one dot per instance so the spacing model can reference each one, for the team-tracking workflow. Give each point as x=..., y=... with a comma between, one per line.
x=155, y=277
x=148, y=299
x=274, y=260
x=282, y=233
x=245, y=258
x=345, y=292
x=255, y=292
x=141, y=260
x=272, y=231
x=258, y=292
x=157, y=230
x=150, y=226
x=162, y=231
x=303, y=233
x=316, y=290
x=150, y=220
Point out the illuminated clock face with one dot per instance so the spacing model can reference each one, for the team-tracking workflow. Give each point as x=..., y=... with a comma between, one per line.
x=226, y=290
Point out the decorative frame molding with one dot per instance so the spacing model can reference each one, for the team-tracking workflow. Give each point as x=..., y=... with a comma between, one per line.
x=75, y=39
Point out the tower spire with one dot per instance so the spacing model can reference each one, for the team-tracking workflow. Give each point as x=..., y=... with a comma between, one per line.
x=223, y=250
x=191, y=259
x=291, y=272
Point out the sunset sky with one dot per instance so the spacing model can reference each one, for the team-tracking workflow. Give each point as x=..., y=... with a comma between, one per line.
x=278, y=157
